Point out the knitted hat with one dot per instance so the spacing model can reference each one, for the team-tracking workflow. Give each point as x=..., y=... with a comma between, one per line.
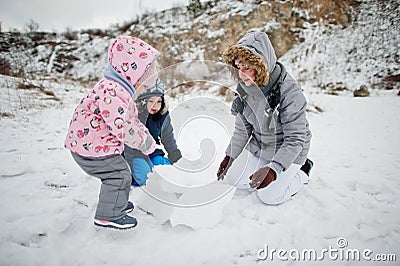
x=157, y=90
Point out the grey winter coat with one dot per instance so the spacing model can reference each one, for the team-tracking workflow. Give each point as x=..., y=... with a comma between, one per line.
x=287, y=141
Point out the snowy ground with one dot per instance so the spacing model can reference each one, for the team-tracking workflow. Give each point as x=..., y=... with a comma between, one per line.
x=47, y=203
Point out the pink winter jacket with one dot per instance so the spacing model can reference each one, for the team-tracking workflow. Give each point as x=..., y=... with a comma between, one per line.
x=107, y=118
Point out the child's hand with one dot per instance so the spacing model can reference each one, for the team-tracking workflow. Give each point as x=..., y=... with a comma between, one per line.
x=174, y=156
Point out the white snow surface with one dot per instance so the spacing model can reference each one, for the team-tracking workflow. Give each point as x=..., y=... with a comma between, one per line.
x=47, y=203
x=360, y=54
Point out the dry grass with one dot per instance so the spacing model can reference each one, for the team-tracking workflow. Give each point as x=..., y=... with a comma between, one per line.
x=26, y=85
x=6, y=115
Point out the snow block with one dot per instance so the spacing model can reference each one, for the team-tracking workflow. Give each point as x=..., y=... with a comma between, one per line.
x=202, y=207
x=185, y=201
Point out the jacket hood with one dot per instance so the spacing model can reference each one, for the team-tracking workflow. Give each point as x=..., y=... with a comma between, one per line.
x=256, y=49
x=131, y=57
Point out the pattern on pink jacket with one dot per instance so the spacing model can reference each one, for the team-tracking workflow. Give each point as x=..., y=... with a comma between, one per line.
x=106, y=118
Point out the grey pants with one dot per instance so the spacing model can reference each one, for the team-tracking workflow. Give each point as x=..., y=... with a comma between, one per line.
x=116, y=181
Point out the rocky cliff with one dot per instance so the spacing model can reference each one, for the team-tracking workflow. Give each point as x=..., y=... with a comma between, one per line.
x=180, y=34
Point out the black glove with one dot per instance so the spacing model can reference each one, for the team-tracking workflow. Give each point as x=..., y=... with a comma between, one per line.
x=262, y=177
x=223, y=167
x=174, y=156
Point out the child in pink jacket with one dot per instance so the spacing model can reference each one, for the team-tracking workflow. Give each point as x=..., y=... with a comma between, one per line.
x=106, y=119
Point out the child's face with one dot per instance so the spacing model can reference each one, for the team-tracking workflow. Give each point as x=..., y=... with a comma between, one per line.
x=154, y=104
x=246, y=72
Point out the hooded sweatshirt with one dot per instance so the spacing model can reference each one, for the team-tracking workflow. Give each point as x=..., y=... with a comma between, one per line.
x=106, y=118
x=288, y=141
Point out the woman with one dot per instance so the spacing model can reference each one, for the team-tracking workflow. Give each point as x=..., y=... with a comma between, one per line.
x=271, y=122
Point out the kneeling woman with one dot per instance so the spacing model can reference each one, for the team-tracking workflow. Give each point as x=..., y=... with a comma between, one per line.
x=271, y=123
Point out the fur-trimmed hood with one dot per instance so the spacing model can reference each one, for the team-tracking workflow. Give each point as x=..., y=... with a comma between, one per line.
x=256, y=49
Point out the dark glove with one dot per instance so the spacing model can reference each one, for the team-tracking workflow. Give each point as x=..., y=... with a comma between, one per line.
x=223, y=167
x=262, y=177
x=174, y=156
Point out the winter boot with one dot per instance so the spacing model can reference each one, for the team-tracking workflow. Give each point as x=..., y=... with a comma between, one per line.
x=306, y=168
x=125, y=222
x=129, y=207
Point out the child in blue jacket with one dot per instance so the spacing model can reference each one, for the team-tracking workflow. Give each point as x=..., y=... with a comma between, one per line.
x=154, y=113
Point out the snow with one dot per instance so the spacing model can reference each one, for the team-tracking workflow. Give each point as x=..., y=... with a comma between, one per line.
x=215, y=34
x=196, y=206
x=211, y=205
x=362, y=53
x=47, y=202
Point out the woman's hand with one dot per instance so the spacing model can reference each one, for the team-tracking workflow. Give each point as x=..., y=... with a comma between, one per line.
x=223, y=167
x=262, y=177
